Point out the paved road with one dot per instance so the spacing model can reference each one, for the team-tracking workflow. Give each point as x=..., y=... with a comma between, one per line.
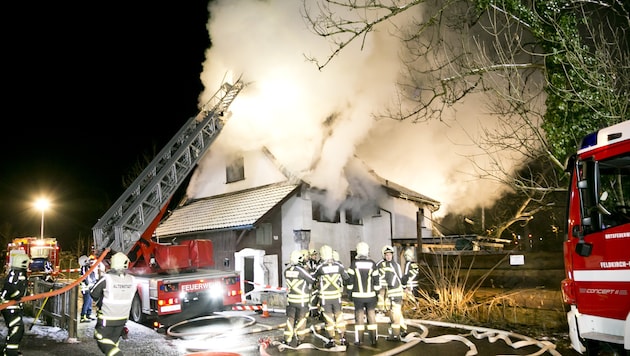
x=244, y=332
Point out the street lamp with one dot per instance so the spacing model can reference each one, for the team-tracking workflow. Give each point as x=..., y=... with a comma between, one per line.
x=42, y=204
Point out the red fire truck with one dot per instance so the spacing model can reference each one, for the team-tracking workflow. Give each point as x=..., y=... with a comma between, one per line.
x=597, y=246
x=43, y=252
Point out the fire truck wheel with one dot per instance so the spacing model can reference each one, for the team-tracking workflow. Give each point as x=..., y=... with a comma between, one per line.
x=136, y=310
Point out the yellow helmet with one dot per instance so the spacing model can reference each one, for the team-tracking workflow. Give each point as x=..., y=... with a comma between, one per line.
x=20, y=260
x=305, y=255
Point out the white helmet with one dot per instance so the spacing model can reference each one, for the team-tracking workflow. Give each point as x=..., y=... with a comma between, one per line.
x=387, y=249
x=326, y=252
x=20, y=260
x=409, y=255
x=363, y=249
x=83, y=260
x=119, y=261
x=296, y=257
x=336, y=256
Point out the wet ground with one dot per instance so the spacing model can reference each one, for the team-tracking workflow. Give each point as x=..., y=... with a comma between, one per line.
x=247, y=333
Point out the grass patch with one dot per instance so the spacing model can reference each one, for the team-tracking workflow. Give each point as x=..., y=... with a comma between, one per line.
x=448, y=294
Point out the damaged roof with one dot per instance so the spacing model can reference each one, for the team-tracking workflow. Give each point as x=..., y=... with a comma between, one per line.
x=398, y=191
x=237, y=210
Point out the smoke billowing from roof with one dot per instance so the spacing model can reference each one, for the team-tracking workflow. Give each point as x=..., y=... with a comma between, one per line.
x=315, y=121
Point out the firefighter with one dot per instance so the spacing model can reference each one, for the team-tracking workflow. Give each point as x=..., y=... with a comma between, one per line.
x=86, y=309
x=299, y=285
x=411, y=273
x=392, y=290
x=14, y=288
x=313, y=262
x=306, y=260
x=331, y=276
x=363, y=287
x=314, y=259
x=113, y=294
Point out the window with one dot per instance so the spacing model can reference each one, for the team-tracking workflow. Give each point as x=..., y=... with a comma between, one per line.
x=353, y=218
x=235, y=170
x=263, y=234
x=320, y=213
x=604, y=188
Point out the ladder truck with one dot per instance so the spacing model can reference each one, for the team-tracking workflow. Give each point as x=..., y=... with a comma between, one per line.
x=597, y=245
x=175, y=281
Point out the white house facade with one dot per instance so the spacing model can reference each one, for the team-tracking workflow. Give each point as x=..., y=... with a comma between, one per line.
x=256, y=214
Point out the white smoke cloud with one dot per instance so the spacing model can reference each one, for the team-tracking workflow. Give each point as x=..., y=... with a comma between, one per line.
x=314, y=121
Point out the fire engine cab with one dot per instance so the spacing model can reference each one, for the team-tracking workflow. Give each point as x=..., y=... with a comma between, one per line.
x=597, y=246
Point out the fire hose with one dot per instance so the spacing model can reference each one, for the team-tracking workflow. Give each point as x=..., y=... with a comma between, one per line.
x=60, y=290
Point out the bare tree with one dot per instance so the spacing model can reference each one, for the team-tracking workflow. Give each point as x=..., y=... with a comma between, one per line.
x=548, y=71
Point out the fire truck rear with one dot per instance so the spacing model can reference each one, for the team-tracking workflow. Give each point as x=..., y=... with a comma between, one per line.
x=43, y=252
x=597, y=247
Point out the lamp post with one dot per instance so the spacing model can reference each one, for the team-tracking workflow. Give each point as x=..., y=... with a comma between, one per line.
x=42, y=204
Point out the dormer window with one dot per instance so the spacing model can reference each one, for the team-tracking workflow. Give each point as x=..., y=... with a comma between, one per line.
x=235, y=170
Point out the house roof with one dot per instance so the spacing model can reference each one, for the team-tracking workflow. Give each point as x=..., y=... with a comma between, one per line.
x=401, y=192
x=227, y=211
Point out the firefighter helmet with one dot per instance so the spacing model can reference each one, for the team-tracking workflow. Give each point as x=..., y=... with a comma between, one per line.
x=363, y=249
x=387, y=249
x=314, y=252
x=305, y=255
x=119, y=261
x=335, y=255
x=20, y=260
x=296, y=257
x=83, y=260
x=326, y=252
x=409, y=255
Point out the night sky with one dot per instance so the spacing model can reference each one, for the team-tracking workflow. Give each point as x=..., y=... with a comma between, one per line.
x=90, y=88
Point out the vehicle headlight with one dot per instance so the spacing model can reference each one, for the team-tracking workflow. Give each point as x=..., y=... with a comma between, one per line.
x=217, y=290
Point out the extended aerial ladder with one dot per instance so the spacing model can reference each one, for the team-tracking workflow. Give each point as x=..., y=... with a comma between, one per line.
x=131, y=220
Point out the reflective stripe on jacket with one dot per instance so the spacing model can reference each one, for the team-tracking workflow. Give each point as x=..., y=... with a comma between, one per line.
x=331, y=276
x=113, y=294
x=390, y=278
x=299, y=285
x=364, y=278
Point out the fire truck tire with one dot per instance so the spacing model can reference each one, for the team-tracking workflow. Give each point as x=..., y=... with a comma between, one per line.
x=136, y=314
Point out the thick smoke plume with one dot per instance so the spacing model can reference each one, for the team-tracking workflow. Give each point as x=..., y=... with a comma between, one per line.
x=315, y=121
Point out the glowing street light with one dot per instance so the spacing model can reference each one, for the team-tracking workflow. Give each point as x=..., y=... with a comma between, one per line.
x=42, y=204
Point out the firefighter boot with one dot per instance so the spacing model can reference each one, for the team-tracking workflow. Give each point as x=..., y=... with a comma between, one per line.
x=372, y=334
x=295, y=342
x=124, y=333
x=342, y=340
x=393, y=335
